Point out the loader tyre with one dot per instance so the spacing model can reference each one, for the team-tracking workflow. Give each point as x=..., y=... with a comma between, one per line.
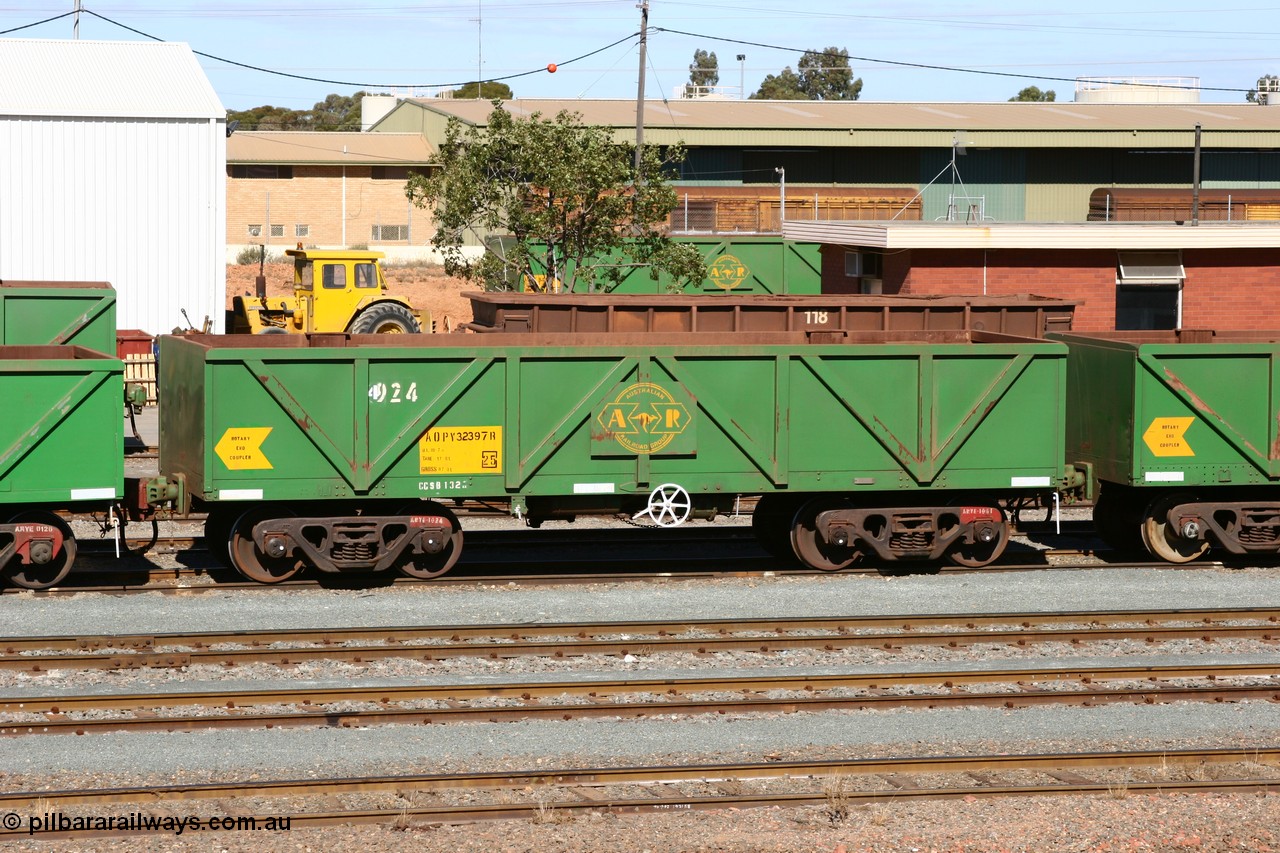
x=385, y=318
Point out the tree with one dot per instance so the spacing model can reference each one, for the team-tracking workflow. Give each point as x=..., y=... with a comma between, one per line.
x=704, y=72
x=489, y=90
x=824, y=75
x=1033, y=93
x=566, y=192
x=1270, y=83
x=784, y=87
x=335, y=112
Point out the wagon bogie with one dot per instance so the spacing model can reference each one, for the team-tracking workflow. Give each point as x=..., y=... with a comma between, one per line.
x=831, y=532
x=270, y=543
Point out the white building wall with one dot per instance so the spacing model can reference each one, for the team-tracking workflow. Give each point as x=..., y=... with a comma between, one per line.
x=137, y=202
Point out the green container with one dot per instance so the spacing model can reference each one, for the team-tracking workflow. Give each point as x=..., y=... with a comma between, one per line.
x=61, y=439
x=519, y=417
x=81, y=313
x=749, y=264
x=1165, y=408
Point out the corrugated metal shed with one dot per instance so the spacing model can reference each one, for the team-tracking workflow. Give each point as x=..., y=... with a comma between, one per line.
x=122, y=79
x=866, y=123
x=113, y=166
x=327, y=148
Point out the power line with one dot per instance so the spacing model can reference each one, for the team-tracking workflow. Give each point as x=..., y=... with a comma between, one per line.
x=356, y=84
x=37, y=23
x=927, y=67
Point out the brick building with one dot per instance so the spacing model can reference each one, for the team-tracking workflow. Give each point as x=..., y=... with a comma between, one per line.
x=323, y=189
x=1152, y=275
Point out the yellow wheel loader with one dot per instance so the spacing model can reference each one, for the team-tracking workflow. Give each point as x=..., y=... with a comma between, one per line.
x=334, y=290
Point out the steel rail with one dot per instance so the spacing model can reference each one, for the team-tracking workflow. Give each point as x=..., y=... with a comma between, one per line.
x=576, y=639
x=388, y=694
x=463, y=814
x=605, y=776
x=599, y=707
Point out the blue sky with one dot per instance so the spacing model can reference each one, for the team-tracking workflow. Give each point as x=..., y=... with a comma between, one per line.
x=393, y=43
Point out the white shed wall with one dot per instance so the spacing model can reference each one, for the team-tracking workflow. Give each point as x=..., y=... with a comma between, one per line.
x=137, y=202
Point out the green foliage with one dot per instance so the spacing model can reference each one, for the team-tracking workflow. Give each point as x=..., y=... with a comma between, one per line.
x=1252, y=95
x=335, y=112
x=704, y=71
x=1033, y=93
x=824, y=75
x=567, y=194
x=488, y=90
x=253, y=255
x=784, y=87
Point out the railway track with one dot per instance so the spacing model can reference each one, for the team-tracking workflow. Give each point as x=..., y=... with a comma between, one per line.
x=359, y=645
x=565, y=698
x=835, y=785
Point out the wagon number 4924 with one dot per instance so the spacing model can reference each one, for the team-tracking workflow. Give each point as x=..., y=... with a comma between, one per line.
x=395, y=392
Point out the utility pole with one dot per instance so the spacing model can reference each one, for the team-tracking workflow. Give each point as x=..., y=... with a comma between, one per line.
x=742, y=75
x=480, y=48
x=75, y=25
x=782, y=194
x=643, y=6
x=1195, y=181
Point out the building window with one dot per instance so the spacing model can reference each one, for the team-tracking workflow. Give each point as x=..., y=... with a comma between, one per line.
x=694, y=216
x=390, y=232
x=1149, y=290
x=390, y=173
x=302, y=230
x=866, y=268
x=277, y=230
x=255, y=230
x=260, y=170
x=859, y=264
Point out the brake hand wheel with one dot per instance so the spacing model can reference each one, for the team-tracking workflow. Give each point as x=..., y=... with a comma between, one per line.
x=669, y=506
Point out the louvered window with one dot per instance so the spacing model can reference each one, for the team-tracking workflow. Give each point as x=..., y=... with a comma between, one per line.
x=1151, y=268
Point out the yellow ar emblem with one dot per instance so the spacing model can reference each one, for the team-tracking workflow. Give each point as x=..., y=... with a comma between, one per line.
x=644, y=418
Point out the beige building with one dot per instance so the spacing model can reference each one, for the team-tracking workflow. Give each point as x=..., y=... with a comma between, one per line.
x=323, y=189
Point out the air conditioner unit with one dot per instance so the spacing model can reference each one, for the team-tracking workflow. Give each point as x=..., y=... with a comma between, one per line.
x=872, y=285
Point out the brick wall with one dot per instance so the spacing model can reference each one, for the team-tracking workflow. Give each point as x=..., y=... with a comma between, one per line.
x=1224, y=288
x=314, y=197
x=1231, y=289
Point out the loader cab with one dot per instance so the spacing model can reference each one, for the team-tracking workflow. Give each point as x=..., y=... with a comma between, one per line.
x=343, y=281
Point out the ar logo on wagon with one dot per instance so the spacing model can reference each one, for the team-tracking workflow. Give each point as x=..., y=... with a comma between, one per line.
x=644, y=418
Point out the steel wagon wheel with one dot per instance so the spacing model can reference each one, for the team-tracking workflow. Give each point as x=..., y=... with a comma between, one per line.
x=809, y=546
x=1162, y=539
x=43, y=575
x=428, y=566
x=248, y=559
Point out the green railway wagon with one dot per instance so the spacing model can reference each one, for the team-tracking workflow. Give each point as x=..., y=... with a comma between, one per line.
x=1181, y=433
x=738, y=264
x=346, y=452
x=61, y=446
x=80, y=313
